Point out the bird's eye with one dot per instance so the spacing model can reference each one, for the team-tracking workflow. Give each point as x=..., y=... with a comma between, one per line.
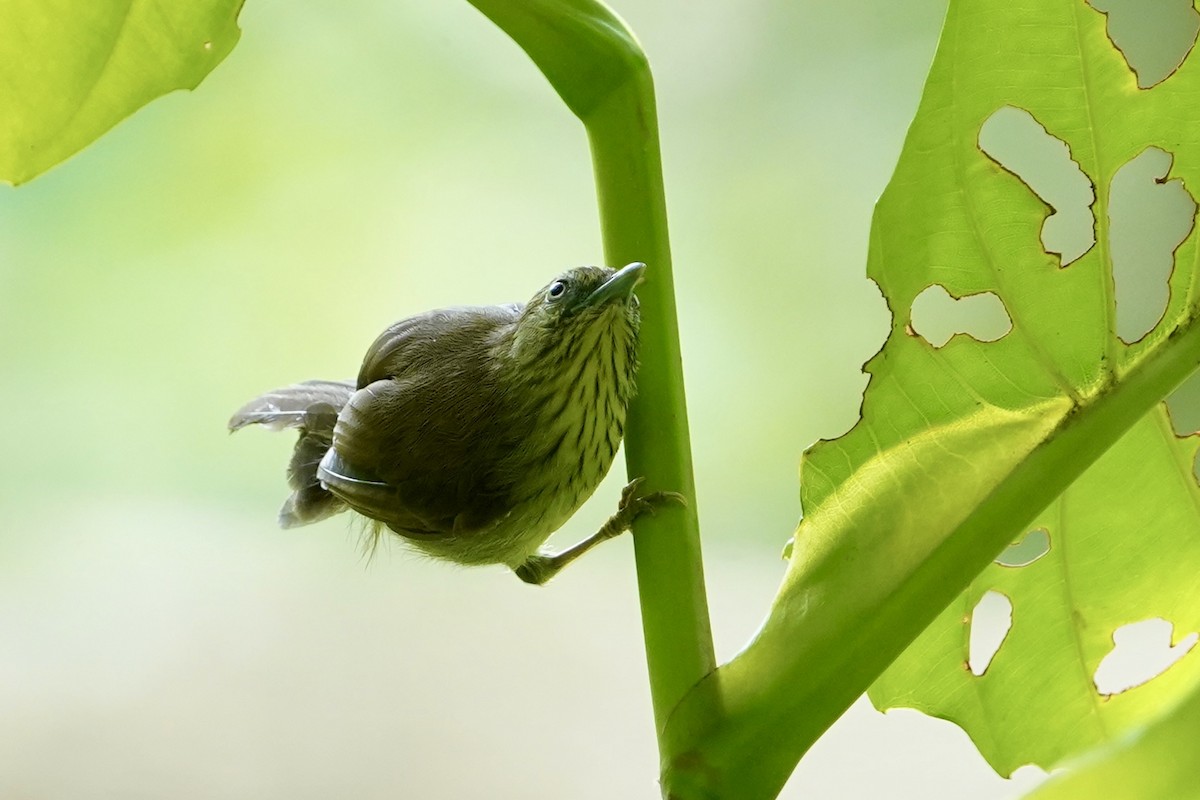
x=557, y=289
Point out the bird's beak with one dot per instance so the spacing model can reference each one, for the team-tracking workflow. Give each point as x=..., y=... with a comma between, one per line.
x=619, y=286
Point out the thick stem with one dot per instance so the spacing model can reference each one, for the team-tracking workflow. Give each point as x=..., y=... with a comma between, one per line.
x=597, y=67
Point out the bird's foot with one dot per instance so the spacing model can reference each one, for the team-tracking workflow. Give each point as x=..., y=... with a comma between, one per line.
x=537, y=569
x=543, y=566
x=634, y=505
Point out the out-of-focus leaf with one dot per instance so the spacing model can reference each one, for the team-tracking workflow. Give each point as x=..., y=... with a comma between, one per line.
x=1156, y=762
x=69, y=70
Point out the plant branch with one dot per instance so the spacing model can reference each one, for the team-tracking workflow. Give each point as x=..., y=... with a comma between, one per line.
x=599, y=70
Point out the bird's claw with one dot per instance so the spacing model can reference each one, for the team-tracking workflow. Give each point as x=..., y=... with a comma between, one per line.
x=634, y=505
x=629, y=492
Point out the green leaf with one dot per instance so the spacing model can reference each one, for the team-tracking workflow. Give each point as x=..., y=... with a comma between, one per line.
x=1154, y=762
x=69, y=71
x=960, y=447
x=1123, y=543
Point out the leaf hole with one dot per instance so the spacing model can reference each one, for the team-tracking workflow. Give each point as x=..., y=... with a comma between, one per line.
x=1150, y=216
x=1183, y=406
x=1031, y=547
x=1016, y=141
x=1141, y=652
x=990, y=623
x=937, y=316
x=1153, y=38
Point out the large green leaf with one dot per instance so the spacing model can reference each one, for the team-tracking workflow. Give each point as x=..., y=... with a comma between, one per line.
x=961, y=446
x=71, y=70
x=1125, y=538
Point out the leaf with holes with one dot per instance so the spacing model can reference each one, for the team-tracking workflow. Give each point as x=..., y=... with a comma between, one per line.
x=69, y=71
x=964, y=442
x=1123, y=539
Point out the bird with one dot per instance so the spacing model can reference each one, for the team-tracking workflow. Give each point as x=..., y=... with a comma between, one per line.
x=475, y=432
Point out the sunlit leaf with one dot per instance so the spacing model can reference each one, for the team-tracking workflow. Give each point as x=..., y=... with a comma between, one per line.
x=1125, y=537
x=69, y=71
x=965, y=438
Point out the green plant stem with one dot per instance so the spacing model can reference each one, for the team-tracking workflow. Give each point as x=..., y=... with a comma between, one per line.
x=675, y=619
x=598, y=68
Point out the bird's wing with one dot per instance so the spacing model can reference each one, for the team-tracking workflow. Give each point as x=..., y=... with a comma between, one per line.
x=417, y=445
x=441, y=334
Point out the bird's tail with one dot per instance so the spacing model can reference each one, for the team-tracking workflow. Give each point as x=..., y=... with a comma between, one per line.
x=311, y=407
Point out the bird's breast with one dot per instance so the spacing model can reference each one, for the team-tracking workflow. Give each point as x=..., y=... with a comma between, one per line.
x=576, y=422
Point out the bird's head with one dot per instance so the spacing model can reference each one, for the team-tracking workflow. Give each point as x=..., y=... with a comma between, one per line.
x=577, y=310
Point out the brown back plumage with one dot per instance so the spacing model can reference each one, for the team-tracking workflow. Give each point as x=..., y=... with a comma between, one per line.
x=416, y=446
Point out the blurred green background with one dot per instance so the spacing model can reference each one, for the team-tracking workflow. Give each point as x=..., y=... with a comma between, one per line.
x=348, y=165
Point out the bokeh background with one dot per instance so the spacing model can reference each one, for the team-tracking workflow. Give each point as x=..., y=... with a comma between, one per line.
x=350, y=164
